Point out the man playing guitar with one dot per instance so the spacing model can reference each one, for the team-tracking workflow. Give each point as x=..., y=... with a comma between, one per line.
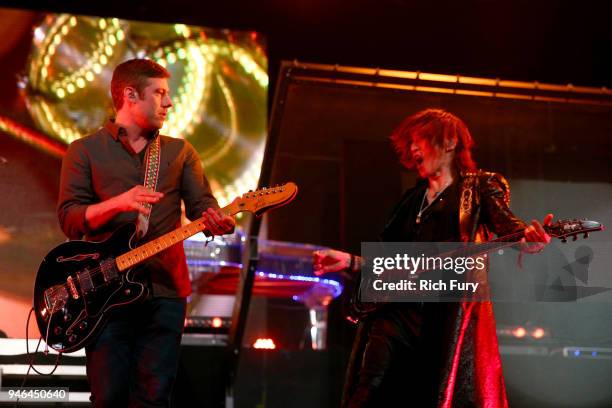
x=133, y=360
x=434, y=354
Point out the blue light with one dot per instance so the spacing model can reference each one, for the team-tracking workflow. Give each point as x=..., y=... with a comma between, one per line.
x=337, y=286
x=577, y=353
x=206, y=262
x=594, y=354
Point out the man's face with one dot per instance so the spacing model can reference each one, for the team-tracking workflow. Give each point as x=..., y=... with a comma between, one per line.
x=151, y=105
x=428, y=159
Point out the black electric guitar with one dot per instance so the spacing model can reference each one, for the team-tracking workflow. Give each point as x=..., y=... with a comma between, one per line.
x=562, y=229
x=80, y=282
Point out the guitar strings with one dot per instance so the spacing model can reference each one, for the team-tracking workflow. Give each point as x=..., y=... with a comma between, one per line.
x=228, y=209
x=511, y=238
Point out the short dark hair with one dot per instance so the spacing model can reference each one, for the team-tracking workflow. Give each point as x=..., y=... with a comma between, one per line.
x=134, y=73
x=438, y=126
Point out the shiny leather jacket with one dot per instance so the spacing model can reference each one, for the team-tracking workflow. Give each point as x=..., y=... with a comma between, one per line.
x=484, y=207
x=472, y=373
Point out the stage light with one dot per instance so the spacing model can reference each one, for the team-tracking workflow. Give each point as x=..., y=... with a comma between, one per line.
x=264, y=344
x=519, y=332
x=538, y=333
x=216, y=322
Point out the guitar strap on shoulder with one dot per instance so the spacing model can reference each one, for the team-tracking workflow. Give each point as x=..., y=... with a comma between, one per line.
x=152, y=161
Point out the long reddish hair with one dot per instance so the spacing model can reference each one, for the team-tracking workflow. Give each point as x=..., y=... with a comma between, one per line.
x=439, y=127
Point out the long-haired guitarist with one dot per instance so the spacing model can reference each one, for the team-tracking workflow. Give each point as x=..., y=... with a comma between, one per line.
x=128, y=172
x=434, y=354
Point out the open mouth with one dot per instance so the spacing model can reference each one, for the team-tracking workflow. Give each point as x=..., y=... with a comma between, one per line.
x=418, y=160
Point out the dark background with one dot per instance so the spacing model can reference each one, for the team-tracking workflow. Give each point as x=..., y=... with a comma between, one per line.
x=548, y=41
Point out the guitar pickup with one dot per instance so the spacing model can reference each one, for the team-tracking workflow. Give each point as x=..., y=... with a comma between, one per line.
x=85, y=281
x=109, y=272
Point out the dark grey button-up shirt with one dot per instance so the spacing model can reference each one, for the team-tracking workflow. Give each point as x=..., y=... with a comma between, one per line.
x=103, y=165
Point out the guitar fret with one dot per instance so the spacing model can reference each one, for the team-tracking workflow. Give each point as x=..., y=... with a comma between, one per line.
x=154, y=247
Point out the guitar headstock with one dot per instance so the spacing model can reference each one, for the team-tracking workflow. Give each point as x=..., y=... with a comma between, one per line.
x=266, y=198
x=563, y=229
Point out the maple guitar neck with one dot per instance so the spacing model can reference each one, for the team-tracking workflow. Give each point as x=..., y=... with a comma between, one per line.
x=152, y=248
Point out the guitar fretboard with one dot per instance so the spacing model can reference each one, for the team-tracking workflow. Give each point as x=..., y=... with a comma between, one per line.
x=485, y=247
x=145, y=251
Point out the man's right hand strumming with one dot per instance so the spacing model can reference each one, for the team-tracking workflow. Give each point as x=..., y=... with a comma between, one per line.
x=132, y=200
x=331, y=260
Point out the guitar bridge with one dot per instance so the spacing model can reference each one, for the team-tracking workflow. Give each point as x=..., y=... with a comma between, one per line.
x=56, y=297
x=73, y=290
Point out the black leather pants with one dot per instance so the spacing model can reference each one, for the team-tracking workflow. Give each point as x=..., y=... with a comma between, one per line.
x=388, y=367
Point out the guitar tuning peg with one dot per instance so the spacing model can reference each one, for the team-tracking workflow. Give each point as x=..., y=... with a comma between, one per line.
x=574, y=237
x=586, y=235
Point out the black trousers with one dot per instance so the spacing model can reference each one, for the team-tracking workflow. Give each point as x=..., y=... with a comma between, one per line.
x=389, y=364
x=133, y=361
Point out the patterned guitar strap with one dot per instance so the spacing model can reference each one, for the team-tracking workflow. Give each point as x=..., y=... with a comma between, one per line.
x=152, y=160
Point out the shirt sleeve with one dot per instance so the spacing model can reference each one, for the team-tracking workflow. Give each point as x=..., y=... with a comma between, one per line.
x=195, y=188
x=76, y=191
x=495, y=196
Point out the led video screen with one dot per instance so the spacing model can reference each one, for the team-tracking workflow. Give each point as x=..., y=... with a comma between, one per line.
x=55, y=82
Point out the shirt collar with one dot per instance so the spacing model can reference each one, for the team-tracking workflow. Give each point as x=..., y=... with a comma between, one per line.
x=117, y=131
